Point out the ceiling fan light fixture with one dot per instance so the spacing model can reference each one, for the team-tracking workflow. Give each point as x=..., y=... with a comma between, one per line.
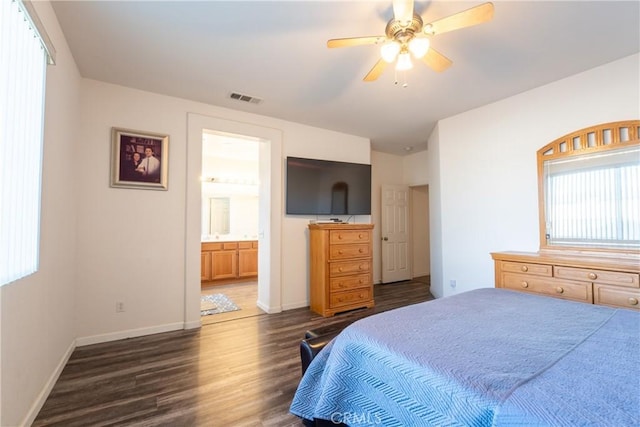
x=407, y=35
x=404, y=62
x=419, y=46
x=389, y=51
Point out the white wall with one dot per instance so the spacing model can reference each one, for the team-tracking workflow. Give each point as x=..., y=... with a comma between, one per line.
x=38, y=312
x=484, y=198
x=415, y=167
x=132, y=242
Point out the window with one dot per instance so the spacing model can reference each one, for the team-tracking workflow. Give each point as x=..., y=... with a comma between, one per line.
x=24, y=54
x=589, y=184
x=594, y=200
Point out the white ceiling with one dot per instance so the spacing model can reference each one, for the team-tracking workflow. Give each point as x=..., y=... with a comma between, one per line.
x=276, y=50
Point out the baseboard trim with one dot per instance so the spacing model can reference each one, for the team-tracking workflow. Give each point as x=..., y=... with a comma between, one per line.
x=193, y=325
x=292, y=306
x=130, y=333
x=267, y=309
x=46, y=390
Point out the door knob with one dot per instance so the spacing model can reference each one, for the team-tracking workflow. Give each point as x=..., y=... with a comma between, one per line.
x=385, y=238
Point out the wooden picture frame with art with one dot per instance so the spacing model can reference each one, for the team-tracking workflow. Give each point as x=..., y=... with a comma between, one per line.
x=139, y=159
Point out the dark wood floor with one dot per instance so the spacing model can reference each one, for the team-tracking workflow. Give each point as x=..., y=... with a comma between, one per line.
x=242, y=372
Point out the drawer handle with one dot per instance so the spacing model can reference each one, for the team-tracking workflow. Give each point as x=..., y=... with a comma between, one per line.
x=633, y=301
x=340, y=252
x=360, y=250
x=339, y=236
x=360, y=267
x=339, y=268
x=524, y=268
x=559, y=290
x=525, y=284
x=360, y=236
x=593, y=276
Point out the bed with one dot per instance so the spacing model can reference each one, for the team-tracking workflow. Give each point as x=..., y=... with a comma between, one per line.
x=480, y=358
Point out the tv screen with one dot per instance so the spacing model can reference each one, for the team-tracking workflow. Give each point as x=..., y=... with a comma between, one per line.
x=322, y=187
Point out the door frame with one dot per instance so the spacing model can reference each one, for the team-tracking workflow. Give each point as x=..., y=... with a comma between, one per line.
x=422, y=218
x=270, y=232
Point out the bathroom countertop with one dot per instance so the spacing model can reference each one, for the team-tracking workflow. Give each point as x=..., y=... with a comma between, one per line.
x=228, y=239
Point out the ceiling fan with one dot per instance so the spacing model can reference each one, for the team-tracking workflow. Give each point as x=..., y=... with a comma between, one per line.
x=407, y=35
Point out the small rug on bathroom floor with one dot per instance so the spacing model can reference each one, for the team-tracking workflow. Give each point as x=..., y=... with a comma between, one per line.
x=215, y=304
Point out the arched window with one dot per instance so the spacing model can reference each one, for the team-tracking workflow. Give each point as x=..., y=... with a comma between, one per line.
x=589, y=189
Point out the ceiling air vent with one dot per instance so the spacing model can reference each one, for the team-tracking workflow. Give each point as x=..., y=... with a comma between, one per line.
x=246, y=98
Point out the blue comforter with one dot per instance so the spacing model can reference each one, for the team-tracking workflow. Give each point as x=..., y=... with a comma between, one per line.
x=484, y=357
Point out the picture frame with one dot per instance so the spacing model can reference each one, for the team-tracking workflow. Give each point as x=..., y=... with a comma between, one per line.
x=139, y=159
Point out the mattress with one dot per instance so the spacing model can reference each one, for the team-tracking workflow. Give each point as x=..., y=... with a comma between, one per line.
x=480, y=358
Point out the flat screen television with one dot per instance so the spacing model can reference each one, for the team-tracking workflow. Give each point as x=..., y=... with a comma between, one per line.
x=323, y=187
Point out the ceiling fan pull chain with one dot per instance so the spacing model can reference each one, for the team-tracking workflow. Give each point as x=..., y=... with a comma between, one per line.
x=405, y=84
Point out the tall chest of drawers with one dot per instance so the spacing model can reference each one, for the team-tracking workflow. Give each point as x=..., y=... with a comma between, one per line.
x=341, y=267
x=607, y=281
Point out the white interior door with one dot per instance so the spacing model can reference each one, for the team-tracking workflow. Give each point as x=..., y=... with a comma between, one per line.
x=395, y=233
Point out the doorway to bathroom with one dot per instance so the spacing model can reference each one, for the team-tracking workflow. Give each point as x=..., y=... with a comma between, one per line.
x=229, y=226
x=270, y=211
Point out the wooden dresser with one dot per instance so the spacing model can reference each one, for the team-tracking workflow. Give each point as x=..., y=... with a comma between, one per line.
x=602, y=280
x=341, y=267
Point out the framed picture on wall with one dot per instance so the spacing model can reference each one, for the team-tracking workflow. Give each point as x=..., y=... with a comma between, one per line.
x=139, y=159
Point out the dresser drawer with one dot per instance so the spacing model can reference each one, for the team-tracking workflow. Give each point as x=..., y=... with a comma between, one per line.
x=247, y=244
x=597, y=276
x=349, y=282
x=211, y=246
x=616, y=297
x=577, y=291
x=349, y=267
x=349, y=236
x=339, y=299
x=349, y=251
x=526, y=268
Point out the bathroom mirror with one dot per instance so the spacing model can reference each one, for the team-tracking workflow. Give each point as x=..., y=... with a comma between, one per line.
x=219, y=216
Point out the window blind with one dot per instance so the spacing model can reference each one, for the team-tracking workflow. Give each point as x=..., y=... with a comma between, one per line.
x=23, y=60
x=609, y=194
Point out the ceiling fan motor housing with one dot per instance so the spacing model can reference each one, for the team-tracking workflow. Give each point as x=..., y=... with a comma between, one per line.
x=395, y=29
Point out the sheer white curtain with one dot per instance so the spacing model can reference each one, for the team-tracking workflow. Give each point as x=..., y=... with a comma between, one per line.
x=23, y=61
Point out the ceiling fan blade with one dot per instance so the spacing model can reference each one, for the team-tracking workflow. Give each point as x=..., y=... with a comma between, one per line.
x=376, y=70
x=436, y=60
x=467, y=18
x=355, y=41
x=403, y=10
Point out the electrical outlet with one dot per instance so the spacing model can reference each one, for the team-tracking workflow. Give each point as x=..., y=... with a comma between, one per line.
x=452, y=283
x=119, y=306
